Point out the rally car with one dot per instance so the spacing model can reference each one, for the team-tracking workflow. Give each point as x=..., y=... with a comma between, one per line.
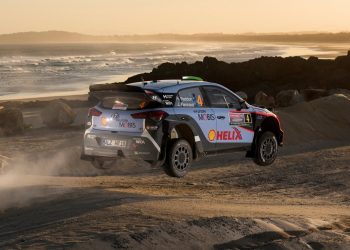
x=170, y=123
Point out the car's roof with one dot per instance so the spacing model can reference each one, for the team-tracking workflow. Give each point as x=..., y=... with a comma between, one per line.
x=171, y=86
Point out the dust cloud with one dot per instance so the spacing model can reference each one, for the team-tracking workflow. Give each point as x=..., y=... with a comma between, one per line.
x=23, y=179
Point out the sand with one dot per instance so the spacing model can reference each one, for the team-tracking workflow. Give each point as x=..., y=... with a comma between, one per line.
x=51, y=199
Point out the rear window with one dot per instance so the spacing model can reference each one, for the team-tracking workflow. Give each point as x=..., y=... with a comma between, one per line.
x=129, y=101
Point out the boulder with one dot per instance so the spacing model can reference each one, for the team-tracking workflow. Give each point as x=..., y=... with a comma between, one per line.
x=287, y=98
x=11, y=121
x=58, y=115
x=262, y=99
x=312, y=94
x=345, y=92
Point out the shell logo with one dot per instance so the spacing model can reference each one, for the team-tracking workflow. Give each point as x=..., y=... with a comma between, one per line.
x=211, y=135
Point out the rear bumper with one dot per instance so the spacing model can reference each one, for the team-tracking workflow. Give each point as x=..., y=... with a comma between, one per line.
x=135, y=145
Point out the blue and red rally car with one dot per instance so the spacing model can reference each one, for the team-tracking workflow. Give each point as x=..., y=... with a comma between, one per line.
x=170, y=123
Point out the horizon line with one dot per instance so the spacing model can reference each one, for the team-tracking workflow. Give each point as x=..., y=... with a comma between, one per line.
x=185, y=34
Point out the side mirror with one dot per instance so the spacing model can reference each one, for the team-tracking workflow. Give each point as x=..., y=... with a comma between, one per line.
x=242, y=104
x=242, y=95
x=231, y=105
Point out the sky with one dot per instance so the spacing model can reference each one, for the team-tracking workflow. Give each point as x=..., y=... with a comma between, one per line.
x=107, y=17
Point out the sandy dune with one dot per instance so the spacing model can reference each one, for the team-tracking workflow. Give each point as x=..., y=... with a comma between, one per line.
x=49, y=198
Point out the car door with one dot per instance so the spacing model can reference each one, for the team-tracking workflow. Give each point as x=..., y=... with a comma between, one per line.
x=234, y=124
x=192, y=108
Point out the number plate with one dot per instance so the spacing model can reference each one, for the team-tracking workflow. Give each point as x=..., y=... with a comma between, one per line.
x=114, y=143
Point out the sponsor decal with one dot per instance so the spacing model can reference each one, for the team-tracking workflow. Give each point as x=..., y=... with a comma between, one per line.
x=123, y=123
x=168, y=103
x=240, y=118
x=211, y=135
x=126, y=124
x=139, y=141
x=141, y=153
x=227, y=135
x=233, y=135
x=206, y=117
x=199, y=111
x=168, y=96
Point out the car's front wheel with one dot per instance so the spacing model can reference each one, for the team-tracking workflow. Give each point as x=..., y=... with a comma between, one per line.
x=179, y=158
x=266, y=149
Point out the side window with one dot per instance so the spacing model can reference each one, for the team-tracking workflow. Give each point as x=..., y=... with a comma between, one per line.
x=189, y=98
x=220, y=98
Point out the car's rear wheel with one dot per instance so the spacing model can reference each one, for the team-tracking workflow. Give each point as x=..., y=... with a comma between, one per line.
x=102, y=163
x=266, y=149
x=179, y=158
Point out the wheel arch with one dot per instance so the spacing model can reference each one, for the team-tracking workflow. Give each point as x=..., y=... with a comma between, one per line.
x=270, y=123
x=187, y=132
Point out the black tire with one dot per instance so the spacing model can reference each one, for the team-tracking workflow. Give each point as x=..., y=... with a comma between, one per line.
x=104, y=164
x=266, y=149
x=179, y=158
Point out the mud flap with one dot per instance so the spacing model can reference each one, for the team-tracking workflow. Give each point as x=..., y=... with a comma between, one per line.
x=250, y=154
x=86, y=157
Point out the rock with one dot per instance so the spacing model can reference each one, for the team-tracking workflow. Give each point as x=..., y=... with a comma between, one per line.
x=11, y=121
x=262, y=99
x=312, y=94
x=58, y=115
x=242, y=94
x=287, y=98
x=268, y=74
x=345, y=92
x=313, y=59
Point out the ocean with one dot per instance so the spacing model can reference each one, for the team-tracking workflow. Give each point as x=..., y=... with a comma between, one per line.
x=28, y=71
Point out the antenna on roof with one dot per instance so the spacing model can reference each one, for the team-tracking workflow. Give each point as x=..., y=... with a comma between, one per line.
x=192, y=78
x=143, y=81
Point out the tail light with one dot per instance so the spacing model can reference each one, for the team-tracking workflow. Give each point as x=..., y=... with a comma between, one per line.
x=94, y=112
x=157, y=115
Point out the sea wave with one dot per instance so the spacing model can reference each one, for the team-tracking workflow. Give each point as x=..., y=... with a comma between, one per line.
x=38, y=68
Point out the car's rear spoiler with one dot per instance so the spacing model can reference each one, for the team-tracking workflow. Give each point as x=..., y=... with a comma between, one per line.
x=119, y=89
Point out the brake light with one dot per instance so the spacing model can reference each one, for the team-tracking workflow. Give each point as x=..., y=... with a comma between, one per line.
x=94, y=112
x=157, y=115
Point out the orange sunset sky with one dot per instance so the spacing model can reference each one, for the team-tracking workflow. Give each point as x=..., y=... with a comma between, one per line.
x=103, y=17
